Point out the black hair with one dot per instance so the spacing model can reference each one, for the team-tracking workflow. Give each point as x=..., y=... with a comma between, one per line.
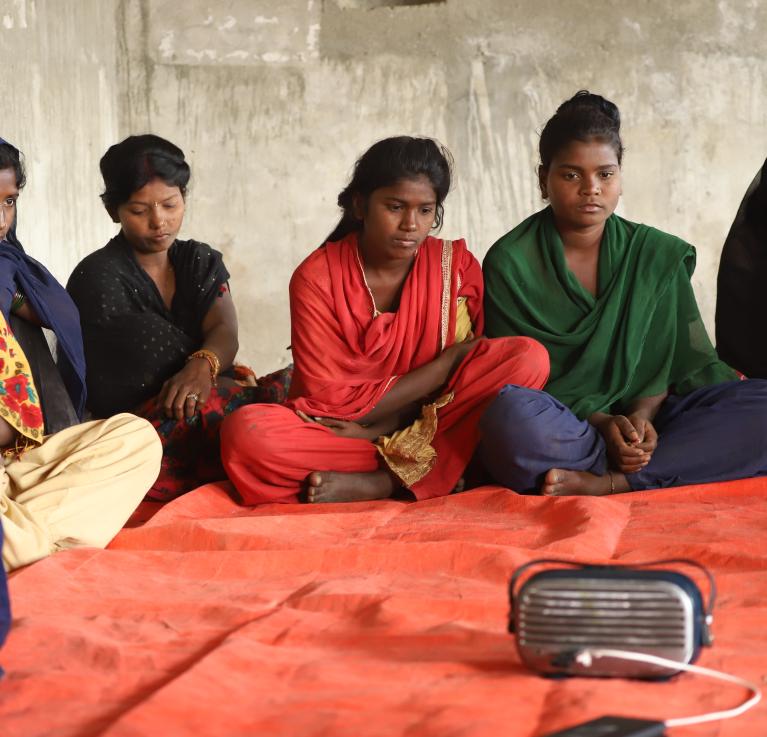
x=133, y=163
x=10, y=158
x=584, y=117
x=387, y=162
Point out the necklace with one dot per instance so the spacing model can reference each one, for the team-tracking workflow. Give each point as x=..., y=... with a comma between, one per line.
x=376, y=313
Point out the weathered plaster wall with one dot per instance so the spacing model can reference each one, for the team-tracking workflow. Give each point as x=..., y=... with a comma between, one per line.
x=274, y=99
x=59, y=100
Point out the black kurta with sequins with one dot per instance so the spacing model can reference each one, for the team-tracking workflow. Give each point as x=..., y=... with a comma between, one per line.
x=133, y=342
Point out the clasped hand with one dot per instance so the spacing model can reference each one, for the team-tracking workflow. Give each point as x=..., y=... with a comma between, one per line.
x=630, y=441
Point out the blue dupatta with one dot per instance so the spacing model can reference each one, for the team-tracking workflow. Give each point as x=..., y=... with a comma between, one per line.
x=53, y=306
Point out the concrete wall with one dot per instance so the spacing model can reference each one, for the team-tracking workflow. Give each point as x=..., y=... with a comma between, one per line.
x=273, y=100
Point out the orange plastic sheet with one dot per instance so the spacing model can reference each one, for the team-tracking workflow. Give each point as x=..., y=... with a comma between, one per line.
x=367, y=619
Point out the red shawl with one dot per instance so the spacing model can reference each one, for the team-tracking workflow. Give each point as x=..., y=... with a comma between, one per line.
x=345, y=359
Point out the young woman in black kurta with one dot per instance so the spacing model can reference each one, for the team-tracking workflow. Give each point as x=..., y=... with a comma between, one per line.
x=158, y=319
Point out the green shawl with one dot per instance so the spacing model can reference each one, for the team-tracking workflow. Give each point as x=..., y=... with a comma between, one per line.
x=641, y=336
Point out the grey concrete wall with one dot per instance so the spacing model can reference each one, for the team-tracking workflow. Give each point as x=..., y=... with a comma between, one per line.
x=273, y=101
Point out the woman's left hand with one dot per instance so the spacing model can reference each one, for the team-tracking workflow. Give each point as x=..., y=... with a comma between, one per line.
x=186, y=391
x=647, y=434
x=343, y=428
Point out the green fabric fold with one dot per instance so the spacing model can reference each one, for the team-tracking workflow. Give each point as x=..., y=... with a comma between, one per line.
x=640, y=336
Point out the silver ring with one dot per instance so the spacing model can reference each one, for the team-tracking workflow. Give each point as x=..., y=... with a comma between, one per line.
x=193, y=396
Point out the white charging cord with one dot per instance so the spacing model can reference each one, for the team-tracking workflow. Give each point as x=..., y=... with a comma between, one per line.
x=585, y=658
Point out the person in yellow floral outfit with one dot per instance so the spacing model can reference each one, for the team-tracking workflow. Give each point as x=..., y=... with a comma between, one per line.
x=75, y=487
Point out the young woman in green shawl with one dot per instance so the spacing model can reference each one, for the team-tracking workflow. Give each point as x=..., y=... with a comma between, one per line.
x=637, y=397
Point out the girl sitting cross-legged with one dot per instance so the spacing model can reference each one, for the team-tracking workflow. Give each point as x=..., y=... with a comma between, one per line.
x=391, y=372
x=637, y=398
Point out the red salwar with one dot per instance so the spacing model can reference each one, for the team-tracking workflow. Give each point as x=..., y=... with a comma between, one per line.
x=347, y=356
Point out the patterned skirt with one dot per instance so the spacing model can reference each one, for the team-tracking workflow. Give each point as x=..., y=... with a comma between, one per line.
x=191, y=451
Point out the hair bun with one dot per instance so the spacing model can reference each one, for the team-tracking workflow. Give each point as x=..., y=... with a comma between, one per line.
x=586, y=99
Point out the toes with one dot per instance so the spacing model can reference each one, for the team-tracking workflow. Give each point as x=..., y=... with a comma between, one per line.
x=314, y=479
x=551, y=490
x=554, y=476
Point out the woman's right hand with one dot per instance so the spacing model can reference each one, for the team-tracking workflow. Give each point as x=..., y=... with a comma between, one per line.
x=187, y=391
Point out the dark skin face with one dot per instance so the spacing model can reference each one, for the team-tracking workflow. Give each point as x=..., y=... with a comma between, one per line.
x=395, y=221
x=9, y=193
x=152, y=217
x=583, y=184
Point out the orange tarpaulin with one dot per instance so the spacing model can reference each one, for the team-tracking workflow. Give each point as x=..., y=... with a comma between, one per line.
x=378, y=618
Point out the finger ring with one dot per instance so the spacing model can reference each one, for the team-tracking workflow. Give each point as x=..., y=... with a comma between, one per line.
x=193, y=396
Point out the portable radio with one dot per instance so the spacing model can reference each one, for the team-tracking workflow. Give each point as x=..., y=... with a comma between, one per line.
x=647, y=609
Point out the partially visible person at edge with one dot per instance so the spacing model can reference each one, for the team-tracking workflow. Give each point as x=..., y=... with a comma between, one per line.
x=637, y=398
x=158, y=320
x=76, y=486
x=741, y=311
x=30, y=297
x=391, y=371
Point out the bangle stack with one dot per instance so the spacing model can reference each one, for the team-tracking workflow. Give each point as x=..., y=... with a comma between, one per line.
x=213, y=362
x=17, y=301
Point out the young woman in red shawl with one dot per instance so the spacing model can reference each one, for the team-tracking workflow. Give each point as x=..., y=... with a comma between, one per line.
x=390, y=375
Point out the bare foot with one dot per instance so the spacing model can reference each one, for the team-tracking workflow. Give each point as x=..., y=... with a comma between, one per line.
x=331, y=486
x=559, y=482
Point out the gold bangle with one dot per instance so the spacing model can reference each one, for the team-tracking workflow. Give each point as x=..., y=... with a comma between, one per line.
x=612, y=482
x=213, y=362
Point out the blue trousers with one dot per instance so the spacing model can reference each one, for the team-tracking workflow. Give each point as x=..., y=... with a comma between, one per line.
x=716, y=433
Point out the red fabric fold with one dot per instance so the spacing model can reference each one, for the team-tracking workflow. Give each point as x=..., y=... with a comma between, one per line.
x=345, y=360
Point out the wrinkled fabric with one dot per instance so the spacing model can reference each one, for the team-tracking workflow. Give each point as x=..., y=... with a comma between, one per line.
x=363, y=620
x=346, y=358
x=191, y=448
x=55, y=309
x=715, y=433
x=269, y=451
x=639, y=337
x=524, y=433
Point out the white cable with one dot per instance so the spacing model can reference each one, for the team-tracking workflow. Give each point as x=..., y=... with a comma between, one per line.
x=585, y=657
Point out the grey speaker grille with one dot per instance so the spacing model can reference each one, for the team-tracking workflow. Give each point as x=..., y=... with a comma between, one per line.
x=556, y=616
